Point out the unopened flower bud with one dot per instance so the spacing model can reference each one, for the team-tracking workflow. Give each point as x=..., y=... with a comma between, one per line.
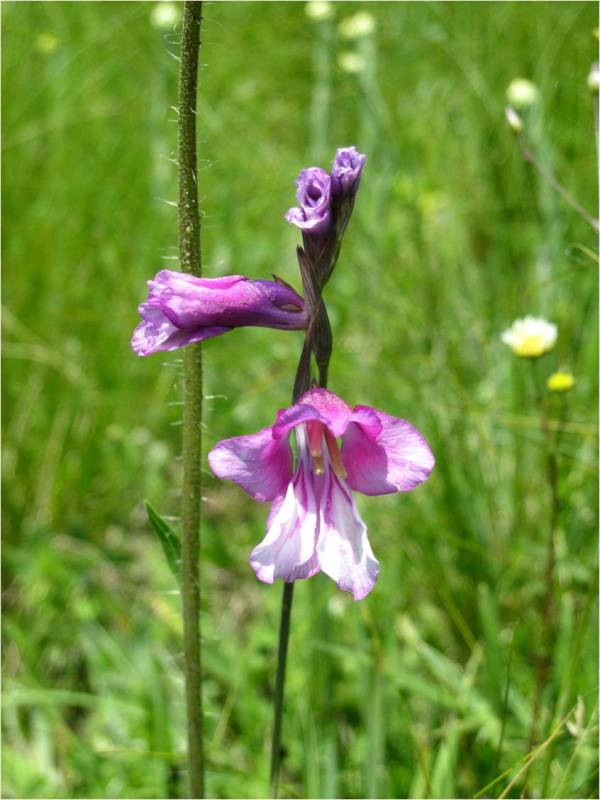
x=522, y=93
x=514, y=120
x=357, y=26
x=318, y=10
x=593, y=79
x=560, y=382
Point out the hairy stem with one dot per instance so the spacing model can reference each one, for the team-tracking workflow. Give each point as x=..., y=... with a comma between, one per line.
x=189, y=256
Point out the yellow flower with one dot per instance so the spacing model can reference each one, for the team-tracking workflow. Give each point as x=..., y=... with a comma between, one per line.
x=560, y=382
x=530, y=337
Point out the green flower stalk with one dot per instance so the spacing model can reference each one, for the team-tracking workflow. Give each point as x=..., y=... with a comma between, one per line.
x=190, y=261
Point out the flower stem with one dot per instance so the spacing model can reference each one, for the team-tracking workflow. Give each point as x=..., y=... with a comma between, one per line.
x=284, y=635
x=318, y=337
x=190, y=261
x=547, y=608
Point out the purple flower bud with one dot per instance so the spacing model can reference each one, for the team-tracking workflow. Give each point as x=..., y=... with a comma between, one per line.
x=346, y=170
x=314, y=195
x=182, y=309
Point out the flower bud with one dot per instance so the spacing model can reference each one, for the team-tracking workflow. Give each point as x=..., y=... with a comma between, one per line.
x=522, y=93
x=593, y=79
x=182, y=309
x=514, y=120
x=314, y=196
x=560, y=382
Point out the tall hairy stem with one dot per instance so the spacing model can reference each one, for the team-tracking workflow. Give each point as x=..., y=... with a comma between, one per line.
x=190, y=261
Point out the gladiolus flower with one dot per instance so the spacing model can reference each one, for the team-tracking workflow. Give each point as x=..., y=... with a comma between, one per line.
x=314, y=524
x=530, y=337
x=313, y=192
x=182, y=309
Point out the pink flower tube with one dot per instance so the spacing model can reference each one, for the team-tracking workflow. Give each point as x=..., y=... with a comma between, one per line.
x=181, y=309
x=314, y=524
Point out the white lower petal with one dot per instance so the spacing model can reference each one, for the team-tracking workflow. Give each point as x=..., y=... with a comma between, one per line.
x=343, y=548
x=288, y=549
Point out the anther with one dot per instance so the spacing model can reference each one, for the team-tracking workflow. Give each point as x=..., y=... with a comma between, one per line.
x=315, y=438
x=335, y=455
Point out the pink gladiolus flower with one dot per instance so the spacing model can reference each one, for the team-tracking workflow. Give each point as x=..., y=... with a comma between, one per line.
x=182, y=309
x=314, y=524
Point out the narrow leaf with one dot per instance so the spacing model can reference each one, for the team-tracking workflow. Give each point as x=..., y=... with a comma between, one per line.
x=168, y=539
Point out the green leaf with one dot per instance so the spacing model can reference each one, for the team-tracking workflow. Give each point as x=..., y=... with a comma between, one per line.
x=168, y=539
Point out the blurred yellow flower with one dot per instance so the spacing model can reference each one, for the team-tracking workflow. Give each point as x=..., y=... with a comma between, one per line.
x=530, y=337
x=46, y=43
x=351, y=62
x=318, y=9
x=560, y=382
x=164, y=15
x=358, y=25
x=522, y=93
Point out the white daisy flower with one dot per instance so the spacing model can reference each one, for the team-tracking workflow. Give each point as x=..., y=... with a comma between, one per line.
x=530, y=337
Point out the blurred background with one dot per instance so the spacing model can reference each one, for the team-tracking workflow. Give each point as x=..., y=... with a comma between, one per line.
x=428, y=687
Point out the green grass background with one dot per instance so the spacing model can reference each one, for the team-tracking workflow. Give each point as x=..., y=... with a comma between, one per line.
x=425, y=689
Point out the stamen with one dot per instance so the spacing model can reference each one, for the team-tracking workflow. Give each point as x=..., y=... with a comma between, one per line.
x=315, y=438
x=334, y=454
x=318, y=465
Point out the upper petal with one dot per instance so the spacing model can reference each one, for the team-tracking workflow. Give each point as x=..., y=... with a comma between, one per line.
x=383, y=454
x=260, y=463
x=316, y=404
x=288, y=549
x=343, y=547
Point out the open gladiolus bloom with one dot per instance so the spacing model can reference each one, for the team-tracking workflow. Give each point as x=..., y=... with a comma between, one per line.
x=314, y=524
x=182, y=309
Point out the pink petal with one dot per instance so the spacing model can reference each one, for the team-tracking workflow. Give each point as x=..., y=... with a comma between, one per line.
x=343, y=548
x=316, y=404
x=260, y=463
x=383, y=454
x=288, y=549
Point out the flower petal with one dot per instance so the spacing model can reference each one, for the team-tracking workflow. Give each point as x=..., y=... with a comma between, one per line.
x=288, y=549
x=343, y=547
x=316, y=404
x=383, y=454
x=157, y=334
x=260, y=463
